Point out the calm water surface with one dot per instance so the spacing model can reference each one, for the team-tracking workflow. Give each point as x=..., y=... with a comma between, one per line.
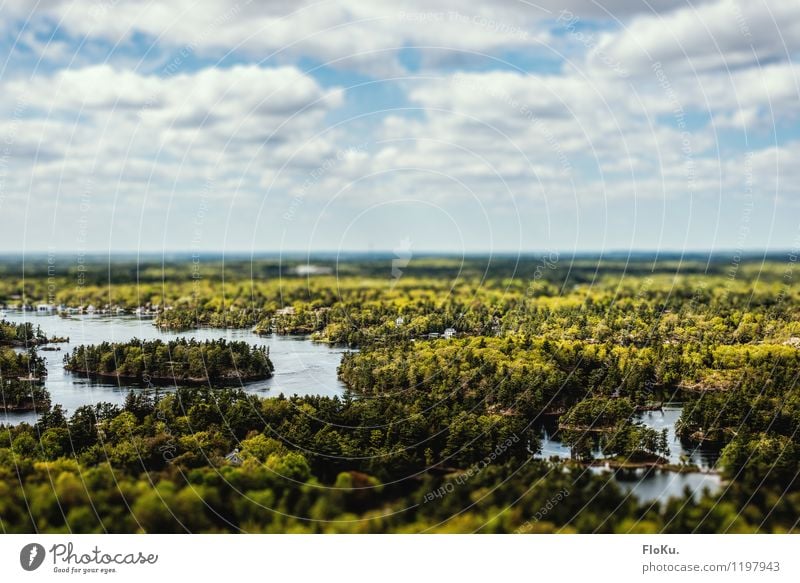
x=653, y=484
x=302, y=367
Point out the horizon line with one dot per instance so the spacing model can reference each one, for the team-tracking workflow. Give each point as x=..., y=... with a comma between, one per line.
x=323, y=253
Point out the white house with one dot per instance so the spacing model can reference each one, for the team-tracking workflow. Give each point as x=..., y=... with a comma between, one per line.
x=449, y=333
x=233, y=458
x=45, y=308
x=399, y=322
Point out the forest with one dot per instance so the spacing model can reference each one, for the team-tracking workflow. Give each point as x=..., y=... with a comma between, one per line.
x=438, y=431
x=22, y=376
x=322, y=465
x=20, y=334
x=181, y=361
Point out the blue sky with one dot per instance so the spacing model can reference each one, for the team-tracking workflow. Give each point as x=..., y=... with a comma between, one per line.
x=493, y=126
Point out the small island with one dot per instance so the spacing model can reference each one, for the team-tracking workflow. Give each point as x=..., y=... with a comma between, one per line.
x=177, y=362
x=607, y=424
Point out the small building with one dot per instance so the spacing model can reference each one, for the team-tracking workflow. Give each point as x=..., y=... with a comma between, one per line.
x=449, y=333
x=233, y=458
x=433, y=335
x=45, y=308
x=399, y=322
x=310, y=269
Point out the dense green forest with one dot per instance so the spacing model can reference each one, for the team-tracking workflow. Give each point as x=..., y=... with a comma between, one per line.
x=20, y=334
x=438, y=432
x=22, y=376
x=181, y=361
x=318, y=464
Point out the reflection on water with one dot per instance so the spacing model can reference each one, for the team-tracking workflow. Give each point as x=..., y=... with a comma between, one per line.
x=704, y=458
x=660, y=485
x=651, y=484
x=302, y=367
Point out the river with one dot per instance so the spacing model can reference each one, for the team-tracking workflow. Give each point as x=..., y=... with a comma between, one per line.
x=303, y=367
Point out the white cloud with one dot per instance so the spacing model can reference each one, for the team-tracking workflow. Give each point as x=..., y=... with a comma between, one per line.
x=554, y=120
x=578, y=140
x=149, y=137
x=182, y=99
x=725, y=34
x=350, y=33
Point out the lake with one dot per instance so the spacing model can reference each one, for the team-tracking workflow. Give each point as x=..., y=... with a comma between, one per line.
x=303, y=367
x=653, y=484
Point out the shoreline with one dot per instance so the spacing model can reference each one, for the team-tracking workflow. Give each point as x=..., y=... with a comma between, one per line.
x=171, y=381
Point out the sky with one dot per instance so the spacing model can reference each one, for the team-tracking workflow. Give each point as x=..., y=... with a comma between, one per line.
x=456, y=127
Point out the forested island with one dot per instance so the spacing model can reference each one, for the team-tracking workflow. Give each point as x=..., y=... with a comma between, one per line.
x=458, y=365
x=181, y=361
